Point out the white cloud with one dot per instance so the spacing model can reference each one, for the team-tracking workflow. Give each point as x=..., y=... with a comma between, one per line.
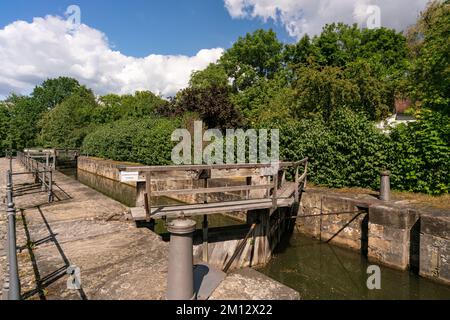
x=47, y=48
x=309, y=16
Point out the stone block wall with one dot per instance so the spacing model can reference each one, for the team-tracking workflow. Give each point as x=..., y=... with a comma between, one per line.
x=435, y=247
x=340, y=223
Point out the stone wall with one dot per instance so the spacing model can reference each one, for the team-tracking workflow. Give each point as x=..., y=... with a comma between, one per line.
x=390, y=229
x=104, y=168
x=396, y=234
x=434, y=262
x=332, y=218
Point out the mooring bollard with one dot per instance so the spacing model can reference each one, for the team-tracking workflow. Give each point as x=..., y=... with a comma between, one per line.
x=180, y=278
x=385, y=187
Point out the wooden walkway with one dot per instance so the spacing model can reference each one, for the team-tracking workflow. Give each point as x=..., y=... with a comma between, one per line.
x=264, y=188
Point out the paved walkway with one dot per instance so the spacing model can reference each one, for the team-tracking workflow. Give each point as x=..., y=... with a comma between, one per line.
x=87, y=229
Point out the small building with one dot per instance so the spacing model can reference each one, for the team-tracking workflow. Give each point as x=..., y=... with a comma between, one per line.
x=399, y=116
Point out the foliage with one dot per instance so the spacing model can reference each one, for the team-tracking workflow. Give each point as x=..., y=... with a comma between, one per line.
x=66, y=125
x=212, y=104
x=430, y=43
x=213, y=76
x=147, y=140
x=54, y=91
x=346, y=150
x=420, y=154
x=23, y=117
x=4, y=128
x=256, y=55
x=113, y=107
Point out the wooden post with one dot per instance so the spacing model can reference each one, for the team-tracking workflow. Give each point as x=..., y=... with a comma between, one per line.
x=297, y=196
x=275, y=191
x=205, y=225
x=148, y=195
x=249, y=183
x=306, y=174
x=50, y=186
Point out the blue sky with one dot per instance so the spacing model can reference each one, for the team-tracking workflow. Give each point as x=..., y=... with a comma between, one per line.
x=140, y=27
x=124, y=46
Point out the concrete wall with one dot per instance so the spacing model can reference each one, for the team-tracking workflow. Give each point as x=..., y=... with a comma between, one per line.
x=434, y=261
x=344, y=229
x=395, y=234
x=105, y=168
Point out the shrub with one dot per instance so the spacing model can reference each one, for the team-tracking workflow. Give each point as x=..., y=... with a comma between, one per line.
x=345, y=151
x=420, y=154
x=145, y=140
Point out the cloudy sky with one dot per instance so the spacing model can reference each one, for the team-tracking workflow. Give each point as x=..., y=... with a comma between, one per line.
x=121, y=47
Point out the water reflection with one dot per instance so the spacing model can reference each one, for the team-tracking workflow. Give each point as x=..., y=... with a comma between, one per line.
x=322, y=271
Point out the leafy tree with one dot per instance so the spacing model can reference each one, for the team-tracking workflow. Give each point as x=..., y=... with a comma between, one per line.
x=24, y=115
x=213, y=76
x=54, y=91
x=429, y=40
x=67, y=124
x=4, y=128
x=113, y=107
x=212, y=104
x=323, y=90
x=346, y=150
x=256, y=55
x=420, y=154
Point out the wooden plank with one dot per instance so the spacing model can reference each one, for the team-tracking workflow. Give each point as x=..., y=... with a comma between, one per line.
x=231, y=206
x=210, y=190
x=138, y=213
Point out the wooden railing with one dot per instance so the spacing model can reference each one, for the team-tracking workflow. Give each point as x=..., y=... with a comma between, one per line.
x=274, y=174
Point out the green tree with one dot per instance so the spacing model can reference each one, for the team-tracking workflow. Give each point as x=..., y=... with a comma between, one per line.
x=4, y=128
x=323, y=90
x=67, y=124
x=24, y=115
x=256, y=55
x=54, y=91
x=212, y=104
x=429, y=40
x=420, y=154
x=213, y=76
x=113, y=107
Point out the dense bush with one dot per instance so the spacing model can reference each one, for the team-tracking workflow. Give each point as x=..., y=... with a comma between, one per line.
x=145, y=140
x=420, y=154
x=346, y=150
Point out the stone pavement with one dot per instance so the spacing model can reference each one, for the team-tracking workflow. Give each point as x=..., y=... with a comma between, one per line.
x=89, y=230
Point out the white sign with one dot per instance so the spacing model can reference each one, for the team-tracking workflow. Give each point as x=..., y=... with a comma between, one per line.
x=129, y=176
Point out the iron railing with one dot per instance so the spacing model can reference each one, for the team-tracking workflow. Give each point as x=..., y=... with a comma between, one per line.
x=43, y=175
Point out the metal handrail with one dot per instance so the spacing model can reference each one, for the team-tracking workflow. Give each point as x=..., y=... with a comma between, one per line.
x=11, y=286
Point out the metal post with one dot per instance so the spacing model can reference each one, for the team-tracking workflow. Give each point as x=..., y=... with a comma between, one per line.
x=385, y=187
x=50, y=186
x=10, y=161
x=180, y=278
x=205, y=238
x=14, y=286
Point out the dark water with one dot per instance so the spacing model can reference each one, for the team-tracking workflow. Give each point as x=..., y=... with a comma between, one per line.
x=322, y=271
x=317, y=270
